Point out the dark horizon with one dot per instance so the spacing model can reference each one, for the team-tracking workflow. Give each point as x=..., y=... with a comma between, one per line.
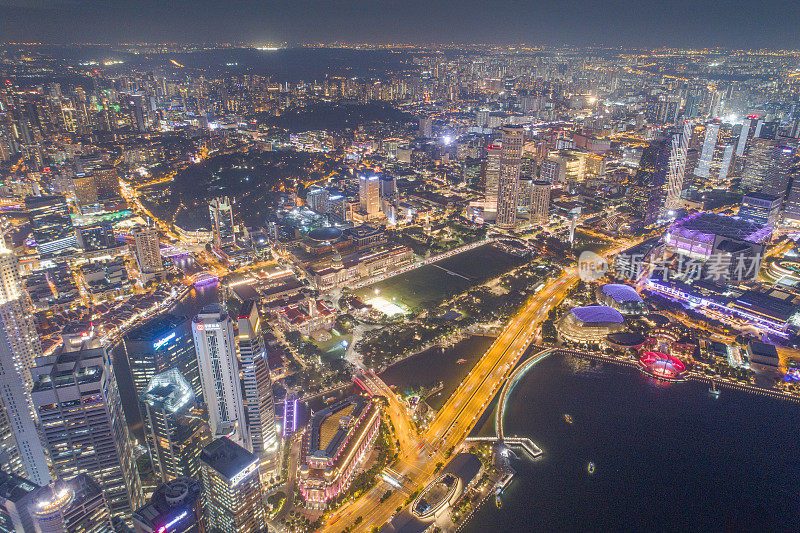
x=731, y=24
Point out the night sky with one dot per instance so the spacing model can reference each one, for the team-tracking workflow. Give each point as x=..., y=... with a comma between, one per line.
x=727, y=23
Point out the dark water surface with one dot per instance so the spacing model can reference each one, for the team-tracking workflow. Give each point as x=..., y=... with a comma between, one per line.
x=667, y=457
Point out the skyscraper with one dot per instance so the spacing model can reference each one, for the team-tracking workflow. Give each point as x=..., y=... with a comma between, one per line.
x=510, y=164
x=426, y=127
x=540, y=201
x=369, y=195
x=679, y=143
x=257, y=387
x=17, y=496
x=215, y=343
x=19, y=347
x=75, y=394
x=51, y=224
x=231, y=488
x=107, y=180
x=163, y=343
x=491, y=175
x=147, y=251
x=175, y=507
x=75, y=505
x=174, y=426
x=222, y=227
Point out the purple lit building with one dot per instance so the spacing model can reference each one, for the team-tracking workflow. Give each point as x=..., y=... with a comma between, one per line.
x=726, y=240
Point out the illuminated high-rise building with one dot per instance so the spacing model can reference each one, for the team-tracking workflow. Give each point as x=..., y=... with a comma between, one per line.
x=17, y=498
x=175, y=507
x=426, y=127
x=175, y=428
x=491, y=175
x=85, y=190
x=75, y=505
x=539, y=205
x=147, y=251
x=231, y=488
x=510, y=165
x=257, y=387
x=83, y=427
x=160, y=344
x=222, y=226
x=51, y=225
x=106, y=179
x=19, y=348
x=369, y=195
x=215, y=343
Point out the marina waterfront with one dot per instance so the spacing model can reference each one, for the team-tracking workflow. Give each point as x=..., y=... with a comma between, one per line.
x=667, y=454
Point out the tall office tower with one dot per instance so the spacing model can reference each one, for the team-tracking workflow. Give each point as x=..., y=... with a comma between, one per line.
x=138, y=112
x=175, y=507
x=215, y=343
x=107, y=180
x=74, y=505
x=491, y=175
x=761, y=208
x=173, y=425
x=663, y=111
x=777, y=178
x=767, y=167
x=317, y=199
x=222, y=227
x=19, y=347
x=791, y=212
x=757, y=163
x=85, y=190
x=540, y=201
x=83, y=427
x=51, y=224
x=369, y=195
x=751, y=127
x=231, y=488
x=163, y=343
x=17, y=496
x=510, y=164
x=703, y=169
x=426, y=127
x=147, y=251
x=257, y=387
x=667, y=180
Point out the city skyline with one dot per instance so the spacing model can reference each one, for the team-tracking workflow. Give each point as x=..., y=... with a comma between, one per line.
x=682, y=24
x=251, y=281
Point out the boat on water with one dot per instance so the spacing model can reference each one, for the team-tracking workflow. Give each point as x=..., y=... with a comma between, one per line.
x=590, y=468
x=714, y=391
x=498, y=503
x=461, y=361
x=568, y=418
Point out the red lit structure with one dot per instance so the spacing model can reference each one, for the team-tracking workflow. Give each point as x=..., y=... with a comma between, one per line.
x=662, y=366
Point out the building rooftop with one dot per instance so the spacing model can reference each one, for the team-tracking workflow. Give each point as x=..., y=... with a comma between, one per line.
x=13, y=487
x=227, y=457
x=621, y=293
x=330, y=426
x=169, y=391
x=597, y=314
x=704, y=226
x=155, y=328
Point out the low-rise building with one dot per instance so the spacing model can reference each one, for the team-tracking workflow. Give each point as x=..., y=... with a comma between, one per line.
x=306, y=316
x=337, y=442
